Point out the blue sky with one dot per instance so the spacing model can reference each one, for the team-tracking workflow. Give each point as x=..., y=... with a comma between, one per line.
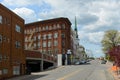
x=94, y=17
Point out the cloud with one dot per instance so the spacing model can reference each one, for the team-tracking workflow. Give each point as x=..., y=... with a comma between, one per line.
x=21, y=3
x=86, y=19
x=95, y=37
x=108, y=15
x=91, y=37
x=26, y=13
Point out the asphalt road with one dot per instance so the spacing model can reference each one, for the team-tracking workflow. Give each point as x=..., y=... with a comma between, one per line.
x=91, y=71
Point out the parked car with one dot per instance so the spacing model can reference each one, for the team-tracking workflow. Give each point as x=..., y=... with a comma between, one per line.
x=103, y=62
x=77, y=63
x=83, y=61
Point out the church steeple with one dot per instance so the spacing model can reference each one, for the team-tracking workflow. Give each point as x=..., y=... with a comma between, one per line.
x=76, y=31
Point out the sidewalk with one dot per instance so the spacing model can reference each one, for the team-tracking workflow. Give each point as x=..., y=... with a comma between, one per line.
x=115, y=75
x=41, y=74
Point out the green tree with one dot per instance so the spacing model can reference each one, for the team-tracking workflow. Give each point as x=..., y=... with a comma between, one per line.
x=111, y=39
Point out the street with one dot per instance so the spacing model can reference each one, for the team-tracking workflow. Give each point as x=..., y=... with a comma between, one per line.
x=90, y=71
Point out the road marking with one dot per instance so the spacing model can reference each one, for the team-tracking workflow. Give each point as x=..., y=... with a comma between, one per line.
x=68, y=75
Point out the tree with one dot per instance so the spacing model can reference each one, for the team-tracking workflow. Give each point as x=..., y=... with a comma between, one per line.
x=110, y=40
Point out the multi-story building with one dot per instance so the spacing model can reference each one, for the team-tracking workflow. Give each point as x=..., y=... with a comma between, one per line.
x=75, y=42
x=50, y=37
x=12, y=58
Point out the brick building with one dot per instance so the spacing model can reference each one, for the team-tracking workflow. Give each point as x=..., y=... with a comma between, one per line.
x=12, y=58
x=50, y=37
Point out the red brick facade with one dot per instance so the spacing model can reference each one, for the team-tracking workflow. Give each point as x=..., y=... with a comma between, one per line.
x=12, y=58
x=49, y=36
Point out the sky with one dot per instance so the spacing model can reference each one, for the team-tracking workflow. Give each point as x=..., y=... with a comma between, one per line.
x=94, y=17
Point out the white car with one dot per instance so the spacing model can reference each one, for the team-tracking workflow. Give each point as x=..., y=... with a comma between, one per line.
x=83, y=61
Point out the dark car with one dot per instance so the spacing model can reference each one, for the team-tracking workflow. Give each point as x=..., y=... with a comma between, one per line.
x=103, y=62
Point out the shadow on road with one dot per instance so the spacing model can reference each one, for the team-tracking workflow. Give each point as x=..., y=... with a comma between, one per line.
x=87, y=64
x=33, y=77
x=28, y=77
x=83, y=64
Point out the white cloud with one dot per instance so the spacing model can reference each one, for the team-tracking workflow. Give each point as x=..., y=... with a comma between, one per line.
x=91, y=37
x=95, y=37
x=28, y=14
x=21, y=3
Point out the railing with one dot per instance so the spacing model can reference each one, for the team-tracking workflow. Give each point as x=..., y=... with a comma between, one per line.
x=37, y=54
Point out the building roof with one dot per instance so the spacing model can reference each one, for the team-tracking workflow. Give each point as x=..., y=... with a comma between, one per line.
x=50, y=20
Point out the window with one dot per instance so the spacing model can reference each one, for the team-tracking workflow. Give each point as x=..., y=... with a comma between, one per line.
x=39, y=37
x=50, y=28
x=0, y=19
x=39, y=29
x=44, y=44
x=34, y=38
x=44, y=51
x=38, y=44
x=30, y=31
x=63, y=35
x=16, y=70
x=0, y=72
x=0, y=38
x=55, y=43
x=63, y=43
x=34, y=45
x=33, y=29
x=63, y=26
x=46, y=27
x=58, y=26
x=17, y=28
x=0, y=57
x=55, y=35
x=25, y=46
x=49, y=36
x=49, y=51
x=26, y=39
x=17, y=44
x=54, y=26
x=49, y=43
x=56, y=50
x=44, y=36
x=43, y=28
x=25, y=32
x=5, y=71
